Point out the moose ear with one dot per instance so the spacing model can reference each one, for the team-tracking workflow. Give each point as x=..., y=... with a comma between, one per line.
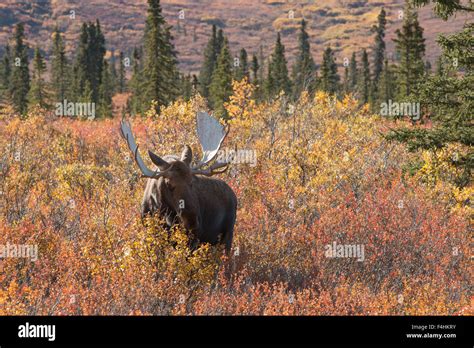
x=158, y=161
x=187, y=155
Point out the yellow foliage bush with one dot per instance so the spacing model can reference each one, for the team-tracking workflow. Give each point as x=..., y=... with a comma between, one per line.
x=324, y=174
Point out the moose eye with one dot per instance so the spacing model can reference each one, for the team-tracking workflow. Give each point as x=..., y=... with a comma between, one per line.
x=170, y=186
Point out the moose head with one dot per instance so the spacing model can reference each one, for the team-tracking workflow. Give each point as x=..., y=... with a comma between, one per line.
x=180, y=191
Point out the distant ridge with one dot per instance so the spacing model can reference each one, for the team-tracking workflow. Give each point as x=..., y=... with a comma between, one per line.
x=342, y=23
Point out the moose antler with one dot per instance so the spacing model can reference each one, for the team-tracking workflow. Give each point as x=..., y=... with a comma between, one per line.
x=211, y=135
x=127, y=134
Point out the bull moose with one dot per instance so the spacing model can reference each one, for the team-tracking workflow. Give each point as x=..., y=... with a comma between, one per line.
x=179, y=191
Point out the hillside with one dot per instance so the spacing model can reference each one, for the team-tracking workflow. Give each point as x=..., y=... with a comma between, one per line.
x=250, y=24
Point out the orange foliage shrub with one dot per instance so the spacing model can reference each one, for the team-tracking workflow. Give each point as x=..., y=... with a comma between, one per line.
x=324, y=174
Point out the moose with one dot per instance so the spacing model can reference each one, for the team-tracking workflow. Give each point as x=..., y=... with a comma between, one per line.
x=182, y=192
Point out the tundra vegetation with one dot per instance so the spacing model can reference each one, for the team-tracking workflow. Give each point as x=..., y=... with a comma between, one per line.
x=324, y=174
x=393, y=193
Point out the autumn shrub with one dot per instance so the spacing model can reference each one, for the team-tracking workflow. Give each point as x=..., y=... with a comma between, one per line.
x=324, y=174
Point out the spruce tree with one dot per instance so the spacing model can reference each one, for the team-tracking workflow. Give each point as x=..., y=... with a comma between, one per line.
x=261, y=70
x=379, y=49
x=89, y=62
x=106, y=92
x=219, y=43
x=257, y=94
x=160, y=75
x=95, y=52
x=440, y=66
x=5, y=70
x=38, y=94
x=445, y=9
x=136, y=101
x=221, y=85
x=387, y=85
x=59, y=69
x=86, y=95
x=242, y=70
x=89, y=65
x=172, y=75
x=100, y=49
x=378, y=55
x=329, y=76
x=277, y=80
x=209, y=64
x=364, y=82
x=345, y=85
x=255, y=67
x=195, y=83
x=112, y=64
x=410, y=46
x=80, y=69
x=304, y=69
x=353, y=73
x=186, y=87
x=448, y=97
x=20, y=77
x=121, y=75
x=428, y=68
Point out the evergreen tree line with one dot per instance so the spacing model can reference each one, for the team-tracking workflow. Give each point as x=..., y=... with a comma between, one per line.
x=88, y=77
x=156, y=78
x=446, y=94
x=371, y=79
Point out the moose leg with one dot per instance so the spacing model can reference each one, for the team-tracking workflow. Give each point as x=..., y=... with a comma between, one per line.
x=229, y=263
x=227, y=240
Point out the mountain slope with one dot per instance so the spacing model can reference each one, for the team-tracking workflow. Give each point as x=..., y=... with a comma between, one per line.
x=346, y=25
